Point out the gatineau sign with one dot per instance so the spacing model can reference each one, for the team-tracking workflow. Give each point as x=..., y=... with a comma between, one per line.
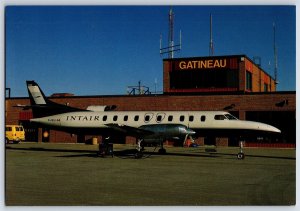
x=201, y=64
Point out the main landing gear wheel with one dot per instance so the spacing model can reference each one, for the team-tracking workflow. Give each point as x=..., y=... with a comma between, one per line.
x=240, y=156
x=162, y=151
x=138, y=155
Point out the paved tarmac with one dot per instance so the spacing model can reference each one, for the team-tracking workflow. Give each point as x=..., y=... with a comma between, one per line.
x=72, y=174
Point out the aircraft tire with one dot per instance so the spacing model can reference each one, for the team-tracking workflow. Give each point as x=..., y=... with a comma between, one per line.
x=138, y=155
x=162, y=151
x=240, y=156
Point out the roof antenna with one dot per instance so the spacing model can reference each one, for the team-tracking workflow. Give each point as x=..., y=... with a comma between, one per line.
x=275, y=54
x=172, y=47
x=211, y=44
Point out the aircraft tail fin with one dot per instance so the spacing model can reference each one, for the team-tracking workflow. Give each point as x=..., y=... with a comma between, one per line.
x=36, y=95
x=41, y=106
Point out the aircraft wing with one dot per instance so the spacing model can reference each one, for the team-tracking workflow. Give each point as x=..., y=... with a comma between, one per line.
x=132, y=131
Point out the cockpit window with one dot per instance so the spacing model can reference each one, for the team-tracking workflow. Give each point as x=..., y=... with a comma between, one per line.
x=225, y=116
x=230, y=117
x=220, y=117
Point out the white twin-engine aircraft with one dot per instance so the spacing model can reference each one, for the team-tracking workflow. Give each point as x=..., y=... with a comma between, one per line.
x=146, y=126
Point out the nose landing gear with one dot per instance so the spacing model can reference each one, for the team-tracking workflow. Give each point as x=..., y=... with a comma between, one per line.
x=241, y=154
x=140, y=149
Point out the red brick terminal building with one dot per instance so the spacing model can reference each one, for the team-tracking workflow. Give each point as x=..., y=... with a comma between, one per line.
x=277, y=109
x=235, y=73
x=232, y=83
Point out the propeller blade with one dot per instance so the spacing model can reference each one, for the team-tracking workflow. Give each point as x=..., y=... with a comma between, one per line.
x=185, y=138
x=191, y=138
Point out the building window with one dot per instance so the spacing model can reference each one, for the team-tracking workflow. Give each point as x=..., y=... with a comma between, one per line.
x=266, y=88
x=115, y=118
x=248, y=80
x=191, y=118
x=126, y=118
x=104, y=118
x=170, y=118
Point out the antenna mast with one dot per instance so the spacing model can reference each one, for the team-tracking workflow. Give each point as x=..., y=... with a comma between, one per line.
x=211, y=44
x=171, y=48
x=171, y=33
x=275, y=55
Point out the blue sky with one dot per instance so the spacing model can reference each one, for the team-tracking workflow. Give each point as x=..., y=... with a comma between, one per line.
x=100, y=50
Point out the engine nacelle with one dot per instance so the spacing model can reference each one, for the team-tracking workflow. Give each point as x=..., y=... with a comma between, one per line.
x=168, y=131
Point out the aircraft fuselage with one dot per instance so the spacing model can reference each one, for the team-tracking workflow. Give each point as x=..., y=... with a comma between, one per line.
x=191, y=119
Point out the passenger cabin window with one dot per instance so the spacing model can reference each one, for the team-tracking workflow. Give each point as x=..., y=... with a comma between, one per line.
x=170, y=118
x=136, y=118
x=203, y=118
x=220, y=117
x=191, y=118
x=104, y=118
x=159, y=118
x=181, y=118
x=125, y=118
x=115, y=118
x=147, y=118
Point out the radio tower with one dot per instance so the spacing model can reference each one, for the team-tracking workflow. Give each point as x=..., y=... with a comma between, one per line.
x=171, y=33
x=275, y=55
x=211, y=44
x=172, y=47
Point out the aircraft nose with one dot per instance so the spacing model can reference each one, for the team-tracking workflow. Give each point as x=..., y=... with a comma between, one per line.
x=269, y=128
x=275, y=130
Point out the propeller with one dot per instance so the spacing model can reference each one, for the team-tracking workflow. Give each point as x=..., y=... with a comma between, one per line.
x=189, y=133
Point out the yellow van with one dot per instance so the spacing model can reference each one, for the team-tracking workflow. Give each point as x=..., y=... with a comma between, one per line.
x=14, y=133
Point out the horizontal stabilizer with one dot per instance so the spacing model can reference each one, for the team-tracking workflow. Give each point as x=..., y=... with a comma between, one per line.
x=24, y=107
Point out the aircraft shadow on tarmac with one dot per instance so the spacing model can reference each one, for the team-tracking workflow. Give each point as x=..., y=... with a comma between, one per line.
x=130, y=153
x=45, y=149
